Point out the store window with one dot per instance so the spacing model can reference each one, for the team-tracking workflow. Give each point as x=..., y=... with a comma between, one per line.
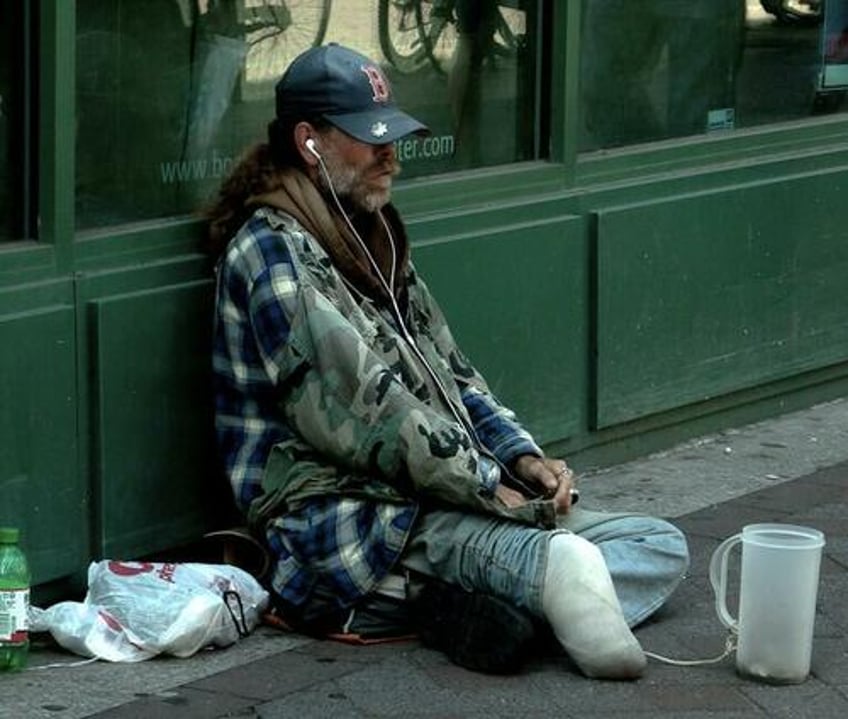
x=13, y=76
x=169, y=92
x=659, y=69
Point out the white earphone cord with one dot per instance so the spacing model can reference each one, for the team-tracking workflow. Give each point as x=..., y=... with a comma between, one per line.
x=389, y=289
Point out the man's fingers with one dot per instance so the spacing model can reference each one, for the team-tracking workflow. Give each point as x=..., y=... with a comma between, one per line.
x=557, y=475
x=563, y=498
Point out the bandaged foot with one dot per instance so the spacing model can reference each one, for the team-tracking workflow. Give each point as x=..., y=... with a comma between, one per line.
x=579, y=602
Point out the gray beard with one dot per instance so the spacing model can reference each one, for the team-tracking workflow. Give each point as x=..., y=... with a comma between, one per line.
x=345, y=182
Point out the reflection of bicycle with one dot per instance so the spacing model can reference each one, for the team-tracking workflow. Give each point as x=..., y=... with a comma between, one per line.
x=794, y=11
x=277, y=31
x=415, y=32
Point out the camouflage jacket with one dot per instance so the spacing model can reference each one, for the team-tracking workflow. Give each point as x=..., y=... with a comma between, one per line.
x=361, y=411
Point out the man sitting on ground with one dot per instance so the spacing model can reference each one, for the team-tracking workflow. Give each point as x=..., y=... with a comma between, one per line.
x=362, y=445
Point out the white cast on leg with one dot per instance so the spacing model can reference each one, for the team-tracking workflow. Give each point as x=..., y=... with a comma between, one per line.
x=580, y=604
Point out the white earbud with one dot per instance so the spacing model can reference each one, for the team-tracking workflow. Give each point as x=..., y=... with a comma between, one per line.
x=310, y=145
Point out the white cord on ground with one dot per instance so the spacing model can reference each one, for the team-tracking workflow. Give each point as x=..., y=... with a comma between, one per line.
x=729, y=648
x=60, y=665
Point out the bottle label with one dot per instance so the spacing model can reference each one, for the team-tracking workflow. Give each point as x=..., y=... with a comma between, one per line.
x=14, y=621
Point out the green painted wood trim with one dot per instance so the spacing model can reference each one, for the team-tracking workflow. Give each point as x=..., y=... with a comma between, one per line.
x=137, y=277
x=471, y=220
x=56, y=110
x=707, y=293
x=48, y=198
x=564, y=85
x=23, y=262
x=603, y=448
x=447, y=193
x=162, y=240
x=731, y=174
x=41, y=490
x=95, y=286
x=516, y=299
x=152, y=442
x=31, y=297
x=721, y=150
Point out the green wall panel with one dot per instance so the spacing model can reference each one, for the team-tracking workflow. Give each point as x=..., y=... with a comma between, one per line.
x=40, y=489
x=516, y=298
x=151, y=417
x=705, y=294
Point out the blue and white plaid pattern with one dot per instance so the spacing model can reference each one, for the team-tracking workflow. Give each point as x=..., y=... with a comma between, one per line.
x=350, y=544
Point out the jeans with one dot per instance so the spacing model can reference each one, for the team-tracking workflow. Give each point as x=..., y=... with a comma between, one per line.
x=646, y=557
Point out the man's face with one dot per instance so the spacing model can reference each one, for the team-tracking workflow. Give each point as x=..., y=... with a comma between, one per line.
x=361, y=173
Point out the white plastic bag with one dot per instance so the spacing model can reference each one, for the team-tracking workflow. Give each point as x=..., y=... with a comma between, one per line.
x=89, y=631
x=136, y=610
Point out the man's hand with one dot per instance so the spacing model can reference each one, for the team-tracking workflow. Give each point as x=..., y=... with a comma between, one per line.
x=554, y=475
x=510, y=497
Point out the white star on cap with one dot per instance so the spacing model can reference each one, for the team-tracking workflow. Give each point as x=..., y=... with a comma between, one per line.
x=378, y=129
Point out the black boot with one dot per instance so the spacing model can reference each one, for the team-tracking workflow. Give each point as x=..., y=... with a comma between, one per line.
x=476, y=631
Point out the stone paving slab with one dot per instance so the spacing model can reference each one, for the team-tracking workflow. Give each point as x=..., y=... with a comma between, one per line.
x=274, y=675
x=59, y=686
x=716, y=468
x=321, y=679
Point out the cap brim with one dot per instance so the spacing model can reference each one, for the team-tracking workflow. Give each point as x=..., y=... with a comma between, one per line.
x=378, y=127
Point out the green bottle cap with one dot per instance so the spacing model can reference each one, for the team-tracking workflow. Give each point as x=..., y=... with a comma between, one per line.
x=9, y=535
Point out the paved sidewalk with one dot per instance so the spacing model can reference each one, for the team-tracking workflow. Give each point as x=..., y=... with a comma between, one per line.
x=791, y=469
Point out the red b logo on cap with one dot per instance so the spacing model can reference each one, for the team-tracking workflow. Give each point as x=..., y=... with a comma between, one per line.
x=379, y=84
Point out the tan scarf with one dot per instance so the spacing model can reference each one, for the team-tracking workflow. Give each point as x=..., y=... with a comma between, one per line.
x=296, y=195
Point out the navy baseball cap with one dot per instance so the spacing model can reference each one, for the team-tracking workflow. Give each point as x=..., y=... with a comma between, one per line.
x=346, y=89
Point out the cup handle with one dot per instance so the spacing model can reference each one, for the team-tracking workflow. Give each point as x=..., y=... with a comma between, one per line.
x=718, y=578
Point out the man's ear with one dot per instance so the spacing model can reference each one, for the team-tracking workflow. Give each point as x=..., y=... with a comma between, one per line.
x=303, y=131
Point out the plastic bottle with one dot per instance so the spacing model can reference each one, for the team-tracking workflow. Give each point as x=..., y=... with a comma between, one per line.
x=14, y=602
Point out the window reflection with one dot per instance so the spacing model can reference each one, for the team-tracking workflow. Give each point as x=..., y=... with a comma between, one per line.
x=660, y=69
x=169, y=92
